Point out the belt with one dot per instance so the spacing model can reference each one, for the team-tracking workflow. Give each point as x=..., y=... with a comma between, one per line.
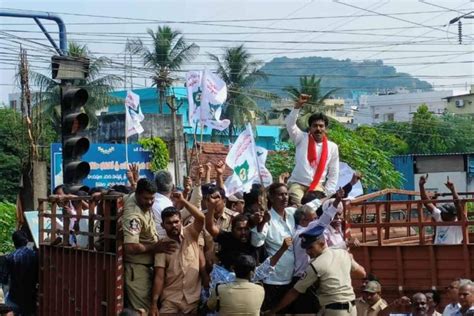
x=339, y=306
x=149, y=265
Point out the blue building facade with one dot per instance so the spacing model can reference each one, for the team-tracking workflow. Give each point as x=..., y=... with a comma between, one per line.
x=267, y=136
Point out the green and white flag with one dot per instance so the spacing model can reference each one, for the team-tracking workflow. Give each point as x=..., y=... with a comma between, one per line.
x=246, y=159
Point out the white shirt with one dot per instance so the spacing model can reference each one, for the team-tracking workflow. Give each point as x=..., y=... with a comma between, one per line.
x=334, y=238
x=303, y=173
x=161, y=202
x=451, y=309
x=446, y=235
x=272, y=235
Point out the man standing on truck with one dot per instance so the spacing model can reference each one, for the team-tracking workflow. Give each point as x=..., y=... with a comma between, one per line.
x=445, y=235
x=140, y=245
x=317, y=158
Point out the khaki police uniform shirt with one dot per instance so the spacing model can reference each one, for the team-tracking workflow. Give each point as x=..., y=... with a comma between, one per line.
x=364, y=309
x=331, y=273
x=182, y=279
x=240, y=297
x=138, y=227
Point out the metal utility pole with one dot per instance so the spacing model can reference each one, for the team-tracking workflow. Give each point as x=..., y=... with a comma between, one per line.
x=37, y=15
x=174, y=108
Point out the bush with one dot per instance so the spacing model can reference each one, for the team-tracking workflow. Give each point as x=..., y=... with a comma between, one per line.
x=159, y=152
x=7, y=226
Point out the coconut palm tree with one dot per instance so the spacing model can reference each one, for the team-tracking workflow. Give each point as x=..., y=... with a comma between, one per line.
x=168, y=53
x=98, y=87
x=311, y=86
x=240, y=72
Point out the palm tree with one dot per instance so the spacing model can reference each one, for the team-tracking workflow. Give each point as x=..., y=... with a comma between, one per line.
x=311, y=86
x=240, y=72
x=168, y=54
x=98, y=87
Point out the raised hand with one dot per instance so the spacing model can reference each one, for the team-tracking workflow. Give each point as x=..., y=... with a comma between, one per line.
x=449, y=184
x=220, y=167
x=302, y=99
x=177, y=196
x=423, y=180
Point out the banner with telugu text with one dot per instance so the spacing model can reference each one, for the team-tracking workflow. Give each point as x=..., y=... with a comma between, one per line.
x=107, y=161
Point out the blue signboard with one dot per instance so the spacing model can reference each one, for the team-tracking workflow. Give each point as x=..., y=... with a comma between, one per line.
x=108, y=164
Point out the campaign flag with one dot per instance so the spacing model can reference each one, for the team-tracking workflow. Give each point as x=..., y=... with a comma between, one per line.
x=133, y=114
x=206, y=94
x=193, y=87
x=248, y=163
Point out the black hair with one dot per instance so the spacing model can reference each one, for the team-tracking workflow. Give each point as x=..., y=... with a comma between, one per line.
x=19, y=239
x=122, y=188
x=97, y=190
x=371, y=277
x=318, y=117
x=252, y=197
x=272, y=190
x=59, y=187
x=169, y=212
x=212, y=188
x=436, y=296
x=239, y=218
x=145, y=185
x=243, y=265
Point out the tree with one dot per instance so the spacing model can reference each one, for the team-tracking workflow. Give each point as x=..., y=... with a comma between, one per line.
x=426, y=136
x=98, y=87
x=13, y=152
x=385, y=141
x=240, y=72
x=168, y=54
x=311, y=86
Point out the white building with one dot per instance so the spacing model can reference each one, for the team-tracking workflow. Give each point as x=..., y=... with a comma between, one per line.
x=398, y=106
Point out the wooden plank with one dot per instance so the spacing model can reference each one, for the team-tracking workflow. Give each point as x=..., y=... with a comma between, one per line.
x=388, y=214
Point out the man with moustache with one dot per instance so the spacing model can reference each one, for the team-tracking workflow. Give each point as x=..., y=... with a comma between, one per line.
x=140, y=245
x=177, y=283
x=316, y=158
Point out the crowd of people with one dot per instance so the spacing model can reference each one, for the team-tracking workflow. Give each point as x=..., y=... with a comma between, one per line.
x=284, y=249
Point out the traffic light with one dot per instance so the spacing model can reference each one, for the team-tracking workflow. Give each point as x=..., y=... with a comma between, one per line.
x=74, y=142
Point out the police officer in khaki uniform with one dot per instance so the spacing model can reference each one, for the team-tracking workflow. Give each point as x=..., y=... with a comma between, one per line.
x=330, y=271
x=240, y=297
x=140, y=245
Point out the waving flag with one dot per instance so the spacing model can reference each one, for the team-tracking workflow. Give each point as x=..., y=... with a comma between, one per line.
x=206, y=94
x=133, y=114
x=248, y=163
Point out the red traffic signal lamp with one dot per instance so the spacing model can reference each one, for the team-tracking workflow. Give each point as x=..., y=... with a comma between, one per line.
x=74, y=142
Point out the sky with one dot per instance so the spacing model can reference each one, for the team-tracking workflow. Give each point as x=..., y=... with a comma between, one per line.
x=413, y=36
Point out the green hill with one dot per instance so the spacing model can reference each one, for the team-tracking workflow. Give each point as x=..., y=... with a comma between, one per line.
x=348, y=76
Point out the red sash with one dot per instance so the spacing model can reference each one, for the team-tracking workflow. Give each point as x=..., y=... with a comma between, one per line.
x=312, y=156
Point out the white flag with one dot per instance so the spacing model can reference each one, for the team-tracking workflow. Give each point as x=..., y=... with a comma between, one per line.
x=133, y=114
x=193, y=87
x=206, y=94
x=242, y=159
x=265, y=175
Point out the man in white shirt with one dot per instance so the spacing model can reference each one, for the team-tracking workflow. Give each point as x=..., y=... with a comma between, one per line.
x=466, y=298
x=445, y=235
x=317, y=159
x=271, y=233
x=453, y=307
x=164, y=185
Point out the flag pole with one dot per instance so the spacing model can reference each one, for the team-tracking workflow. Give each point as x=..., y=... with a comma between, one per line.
x=126, y=136
x=263, y=192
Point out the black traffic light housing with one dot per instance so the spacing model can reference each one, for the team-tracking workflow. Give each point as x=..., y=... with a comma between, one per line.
x=74, y=142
